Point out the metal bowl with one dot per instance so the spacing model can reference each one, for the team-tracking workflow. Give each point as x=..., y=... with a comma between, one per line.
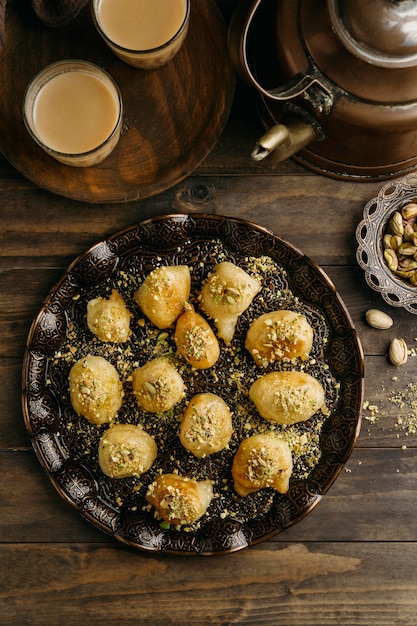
x=369, y=234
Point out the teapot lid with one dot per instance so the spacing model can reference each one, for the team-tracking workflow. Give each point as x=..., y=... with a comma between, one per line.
x=380, y=32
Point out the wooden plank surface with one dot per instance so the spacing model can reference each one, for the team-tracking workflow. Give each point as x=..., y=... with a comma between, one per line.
x=351, y=561
x=290, y=583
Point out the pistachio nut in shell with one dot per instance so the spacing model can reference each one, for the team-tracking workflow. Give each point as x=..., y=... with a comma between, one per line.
x=398, y=352
x=378, y=319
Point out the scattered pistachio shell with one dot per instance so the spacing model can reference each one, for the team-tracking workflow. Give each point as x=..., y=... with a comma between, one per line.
x=378, y=319
x=398, y=352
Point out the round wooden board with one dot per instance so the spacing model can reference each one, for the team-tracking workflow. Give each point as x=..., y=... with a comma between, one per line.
x=173, y=116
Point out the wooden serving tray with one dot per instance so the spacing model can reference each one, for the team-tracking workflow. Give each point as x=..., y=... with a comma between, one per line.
x=173, y=116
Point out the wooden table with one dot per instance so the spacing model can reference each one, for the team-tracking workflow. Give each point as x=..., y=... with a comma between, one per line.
x=352, y=560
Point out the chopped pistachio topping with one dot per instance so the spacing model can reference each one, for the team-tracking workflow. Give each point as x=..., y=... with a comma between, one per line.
x=261, y=466
x=197, y=341
x=177, y=504
x=91, y=391
x=293, y=399
x=204, y=426
x=125, y=457
x=158, y=388
x=222, y=293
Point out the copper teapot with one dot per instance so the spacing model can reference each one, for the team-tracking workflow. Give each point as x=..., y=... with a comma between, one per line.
x=337, y=82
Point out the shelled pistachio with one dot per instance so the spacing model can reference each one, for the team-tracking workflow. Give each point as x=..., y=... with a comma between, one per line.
x=391, y=259
x=400, y=243
x=396, y=226
x=409, y=211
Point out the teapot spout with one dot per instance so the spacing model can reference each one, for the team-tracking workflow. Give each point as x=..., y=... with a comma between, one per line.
x=284, y=140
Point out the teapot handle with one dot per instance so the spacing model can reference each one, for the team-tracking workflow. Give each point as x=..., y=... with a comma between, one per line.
x=238, y=43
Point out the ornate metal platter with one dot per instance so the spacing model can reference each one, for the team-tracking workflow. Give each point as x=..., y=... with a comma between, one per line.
x=66, y=444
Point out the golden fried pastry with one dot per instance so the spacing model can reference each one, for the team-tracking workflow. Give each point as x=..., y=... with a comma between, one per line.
x=225, y=295
x=126, y=450
x=163, y=293
x=287, y=397
x=157, y=386
x=109, y=318
x=206, y=426
x=279, y=335
x=179, y=499
x=195, y=339
x=96, y=391
x=262, y=461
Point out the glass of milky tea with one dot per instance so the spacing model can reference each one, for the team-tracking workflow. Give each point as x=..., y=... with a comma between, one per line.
x=73, y=110
x=143, y=33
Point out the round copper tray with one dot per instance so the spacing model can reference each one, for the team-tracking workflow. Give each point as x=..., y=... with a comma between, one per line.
x=173, y=116
x=61, y=439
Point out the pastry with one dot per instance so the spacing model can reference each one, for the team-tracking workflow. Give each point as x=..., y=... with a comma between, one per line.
x=109, y=318
x=225, y=295
x=163, y=294
x=287, y=397
x=180, y=500
x=126, y=450
x=96, y=391
x=195, y=339
x=206, y=426
x=279, y=335
x=262, y=460
x=157, y=386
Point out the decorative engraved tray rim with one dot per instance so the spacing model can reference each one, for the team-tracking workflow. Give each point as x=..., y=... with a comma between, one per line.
x=80, y=489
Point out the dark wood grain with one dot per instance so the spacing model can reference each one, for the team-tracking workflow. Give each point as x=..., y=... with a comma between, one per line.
x=351, y=561
x=291, y=583
x=279, y=203
x=171, y=117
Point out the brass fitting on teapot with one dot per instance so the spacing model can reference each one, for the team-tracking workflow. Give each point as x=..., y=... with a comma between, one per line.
x=284, y=140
